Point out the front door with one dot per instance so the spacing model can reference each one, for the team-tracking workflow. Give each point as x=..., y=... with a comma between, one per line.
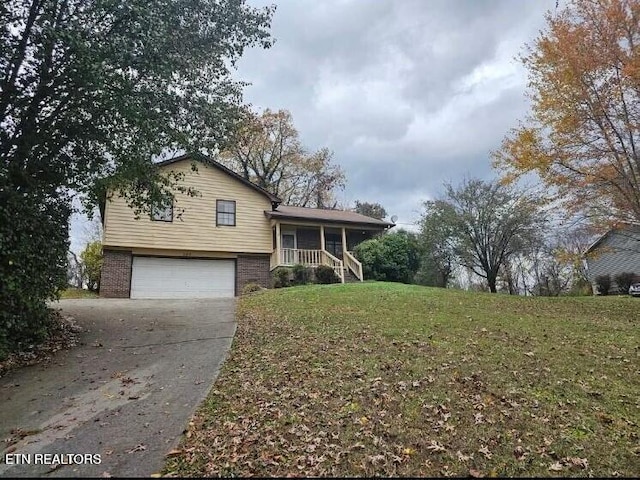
x=333, y=244
x=288, y=248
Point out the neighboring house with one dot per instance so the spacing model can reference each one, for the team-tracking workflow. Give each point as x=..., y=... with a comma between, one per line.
x=231, y=234
x=615, y=252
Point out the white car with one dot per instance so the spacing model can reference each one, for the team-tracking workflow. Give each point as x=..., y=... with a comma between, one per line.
x=634, y=290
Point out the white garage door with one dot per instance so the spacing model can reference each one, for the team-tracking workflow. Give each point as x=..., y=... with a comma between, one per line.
x=182, y=278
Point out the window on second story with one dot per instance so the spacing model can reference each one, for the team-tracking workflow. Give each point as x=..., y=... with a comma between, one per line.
x=162, y=212
x=226, y=212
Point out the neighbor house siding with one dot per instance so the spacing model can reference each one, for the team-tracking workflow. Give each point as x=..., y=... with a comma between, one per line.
x=115, y=277
x=617, y=253
x=194, y=221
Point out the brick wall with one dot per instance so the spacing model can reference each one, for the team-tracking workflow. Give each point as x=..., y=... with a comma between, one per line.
x=252, y=269
x=115, y=279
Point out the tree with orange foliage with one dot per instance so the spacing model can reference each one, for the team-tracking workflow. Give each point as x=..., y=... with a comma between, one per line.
x=266, y=150
x=583, y=134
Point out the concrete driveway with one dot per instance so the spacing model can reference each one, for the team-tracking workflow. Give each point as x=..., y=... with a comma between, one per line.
x=126, y=393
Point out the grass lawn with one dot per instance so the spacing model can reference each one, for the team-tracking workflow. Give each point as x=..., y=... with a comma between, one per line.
x=72, y=292
x=389, y=379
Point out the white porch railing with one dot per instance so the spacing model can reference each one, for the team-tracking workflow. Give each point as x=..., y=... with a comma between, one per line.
x=292, y=256
x=353, y=264
x=312, y=258
x=333, y=262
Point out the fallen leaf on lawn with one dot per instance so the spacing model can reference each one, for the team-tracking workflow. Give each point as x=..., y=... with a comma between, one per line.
x=529, y=354
x=577, y=462
x=475, y=473
x=436, y=447
x=175, y=451
x=519, y=452
x=485, y=451
x=462, y=457
x=555, y=467
x=156, y=475
x=408, y=451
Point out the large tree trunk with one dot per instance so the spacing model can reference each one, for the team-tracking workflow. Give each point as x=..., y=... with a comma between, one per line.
x=491, y=280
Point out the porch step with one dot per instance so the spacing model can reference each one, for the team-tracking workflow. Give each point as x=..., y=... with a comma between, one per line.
x=349, y=277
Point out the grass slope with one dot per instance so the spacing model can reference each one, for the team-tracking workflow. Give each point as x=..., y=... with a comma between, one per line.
x=72, y=292
x=390, y=379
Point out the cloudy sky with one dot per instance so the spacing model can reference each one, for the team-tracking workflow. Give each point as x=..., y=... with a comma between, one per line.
x=408, y=94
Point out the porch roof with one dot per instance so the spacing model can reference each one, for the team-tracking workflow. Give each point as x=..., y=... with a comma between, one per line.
x=321, y=215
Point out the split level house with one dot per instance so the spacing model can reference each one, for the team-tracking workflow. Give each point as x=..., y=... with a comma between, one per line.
x=231, y=233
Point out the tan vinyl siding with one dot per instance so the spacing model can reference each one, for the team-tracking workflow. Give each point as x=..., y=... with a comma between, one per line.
x=197, y=230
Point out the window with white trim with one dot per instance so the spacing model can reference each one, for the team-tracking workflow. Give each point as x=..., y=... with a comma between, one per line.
x=226, y=213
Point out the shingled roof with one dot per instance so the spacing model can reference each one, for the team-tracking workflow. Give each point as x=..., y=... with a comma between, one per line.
x=632, y=228
x=332, y=216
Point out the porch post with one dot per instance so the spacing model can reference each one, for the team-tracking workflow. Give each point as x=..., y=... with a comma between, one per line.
x=322, y=245
x=344, y=241
x=278, y=241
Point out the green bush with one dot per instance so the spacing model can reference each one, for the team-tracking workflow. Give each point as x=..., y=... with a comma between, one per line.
x=92, y=261
x=301, y=274
x=603, y=284
x=624, y=280
x=33, y=258
x=393, y=257
x=325, y=275
x=281, y=277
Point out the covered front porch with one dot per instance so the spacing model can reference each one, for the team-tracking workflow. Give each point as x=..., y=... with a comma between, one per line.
x=314, y=237
x=315, y=245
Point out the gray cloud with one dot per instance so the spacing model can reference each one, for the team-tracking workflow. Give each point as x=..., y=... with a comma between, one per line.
x=407, y=94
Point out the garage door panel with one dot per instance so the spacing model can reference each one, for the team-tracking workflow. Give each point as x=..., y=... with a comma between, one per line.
x=182, y=278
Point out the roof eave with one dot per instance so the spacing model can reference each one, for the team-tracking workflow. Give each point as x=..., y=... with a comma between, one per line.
x=281, y=216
